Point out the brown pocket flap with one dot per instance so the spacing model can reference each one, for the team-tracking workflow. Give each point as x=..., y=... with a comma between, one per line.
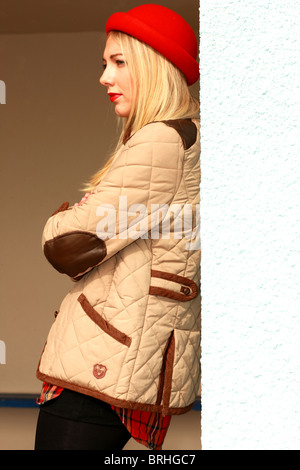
x=172, y=286
x=102, y=323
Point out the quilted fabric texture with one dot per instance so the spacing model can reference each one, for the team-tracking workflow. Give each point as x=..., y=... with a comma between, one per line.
x=128, y=332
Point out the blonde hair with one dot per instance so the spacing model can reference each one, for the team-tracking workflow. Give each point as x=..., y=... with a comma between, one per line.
x=160, y=92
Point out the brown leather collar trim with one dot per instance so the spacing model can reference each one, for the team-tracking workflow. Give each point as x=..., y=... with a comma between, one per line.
x=186, y=129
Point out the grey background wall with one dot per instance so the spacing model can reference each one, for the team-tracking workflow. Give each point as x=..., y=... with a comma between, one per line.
x=56, y=129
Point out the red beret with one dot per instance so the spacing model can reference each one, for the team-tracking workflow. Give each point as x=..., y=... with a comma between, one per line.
x=163, y=30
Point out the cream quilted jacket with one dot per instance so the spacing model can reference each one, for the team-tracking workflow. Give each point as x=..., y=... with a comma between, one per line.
x=128, y=332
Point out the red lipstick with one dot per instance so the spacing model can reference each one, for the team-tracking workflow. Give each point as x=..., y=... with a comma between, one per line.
x=114, y=96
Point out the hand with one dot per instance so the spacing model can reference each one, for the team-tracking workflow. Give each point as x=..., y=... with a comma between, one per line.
x=85, y=197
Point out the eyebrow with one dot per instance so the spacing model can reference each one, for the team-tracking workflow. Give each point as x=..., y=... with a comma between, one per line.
x=112, y=56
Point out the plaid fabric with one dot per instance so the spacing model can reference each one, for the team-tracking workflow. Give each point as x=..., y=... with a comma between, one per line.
x=48, y=393
x=145, y=427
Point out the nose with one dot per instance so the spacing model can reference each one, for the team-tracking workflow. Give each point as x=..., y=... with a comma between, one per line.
x=106, y=78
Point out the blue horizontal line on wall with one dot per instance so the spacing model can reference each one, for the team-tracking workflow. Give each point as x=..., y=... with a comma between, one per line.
x=12, y=400
x=16, y=400
x=197, y=405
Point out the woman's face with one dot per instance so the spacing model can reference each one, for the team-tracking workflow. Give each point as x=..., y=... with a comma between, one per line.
x=116, y=78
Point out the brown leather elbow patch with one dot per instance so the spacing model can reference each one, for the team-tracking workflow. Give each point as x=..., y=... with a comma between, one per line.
x=74, y=253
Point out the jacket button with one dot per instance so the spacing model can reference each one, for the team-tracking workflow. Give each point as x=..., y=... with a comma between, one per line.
x=185, y=290
x=99, y=371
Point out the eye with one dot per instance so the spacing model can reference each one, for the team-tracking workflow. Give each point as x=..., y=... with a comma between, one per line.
x=104, y=66
x=120, y=62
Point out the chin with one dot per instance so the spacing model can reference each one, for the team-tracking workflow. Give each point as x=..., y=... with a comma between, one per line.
x=122, y=112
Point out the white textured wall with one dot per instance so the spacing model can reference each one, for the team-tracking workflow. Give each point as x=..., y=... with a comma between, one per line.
x=250, y=224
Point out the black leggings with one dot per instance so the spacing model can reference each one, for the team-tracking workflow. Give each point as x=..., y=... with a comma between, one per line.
x=74, y=421
x=56, y=433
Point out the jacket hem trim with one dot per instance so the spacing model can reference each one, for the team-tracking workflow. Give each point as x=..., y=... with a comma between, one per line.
x=110, y=400
x=168, y=375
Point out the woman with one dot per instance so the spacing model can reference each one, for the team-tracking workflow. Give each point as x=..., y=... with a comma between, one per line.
x=123, y=354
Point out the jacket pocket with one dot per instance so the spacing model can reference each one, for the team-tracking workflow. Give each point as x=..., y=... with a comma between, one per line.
x=172, y=286
x=103, y=324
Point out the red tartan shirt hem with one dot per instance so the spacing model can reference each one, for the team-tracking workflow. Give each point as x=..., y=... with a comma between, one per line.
x=147, y=428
